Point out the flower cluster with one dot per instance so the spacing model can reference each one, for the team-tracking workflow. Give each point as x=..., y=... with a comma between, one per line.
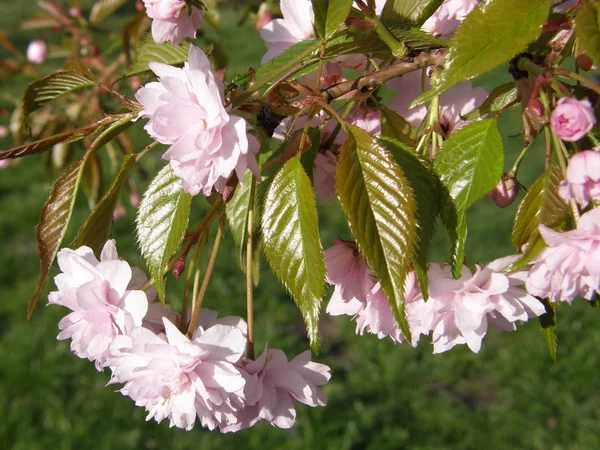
x=185, y=108
x=172, y=375
x=171, y=22
x=457, y=311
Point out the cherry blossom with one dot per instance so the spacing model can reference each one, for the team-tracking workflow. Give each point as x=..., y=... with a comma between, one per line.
x=324, y=175
x=185, y=108
x=178, y=378
x=171, y=22
x=444, y=22
x=102, y=298
x=37, y=52
x=572, y=118
x=570, y=264
x=274, y=384
x=583, y=178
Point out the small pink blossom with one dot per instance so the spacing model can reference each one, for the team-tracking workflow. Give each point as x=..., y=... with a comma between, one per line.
x=178, y=378
x=572, y=119
x=102, y=298
x=274, y=384
x=37, y=52
x=583, y=178
x=324, y=176
x=185, y=108
x=295, y=26
x=170, y=20
x=457, y=101
x=367, y=118
x=570, y=264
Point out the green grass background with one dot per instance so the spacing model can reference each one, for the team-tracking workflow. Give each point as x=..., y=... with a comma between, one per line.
x=381, y=396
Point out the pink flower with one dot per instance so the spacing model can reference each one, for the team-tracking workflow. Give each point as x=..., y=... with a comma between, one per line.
x=185, y=108
x=324, y=176
x=583, y=178
x=178, y=378
x=444, y=22
x=347, y=269
x=274, y=384
x=570, y=264
x=369, y=119
x=462, y=308
x=572, y=119
x=459, y=100
x=296, y=26
x=505, y=192
x=37, y=52
x=171, y=22
x=102, y=298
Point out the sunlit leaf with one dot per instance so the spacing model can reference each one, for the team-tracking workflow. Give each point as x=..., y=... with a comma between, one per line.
x=149, y=51
x=379, y=203
x=237, y=216
x=292, y=244
x=104, y=8
x=490, y=35
x=329, y=15
x=468, y=166
x=42, y=91
x=417, y=11
x=162, y=219
x=541, y=205
x=501, y=97
x=53, y=223
x=396, y=127
x=587, y=29
x=96, y=230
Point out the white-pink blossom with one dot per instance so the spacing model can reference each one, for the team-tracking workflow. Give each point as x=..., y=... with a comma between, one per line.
x=570, y=264
x=185, y=108
x=274, y=384
x=582, y=182
x=102, y=298
x=171, y=22
x=572, y=118
x=444, y=22
x=457, y=101
x=37, y=52
x=324, y=175
x=295, y=26
x=178, y=378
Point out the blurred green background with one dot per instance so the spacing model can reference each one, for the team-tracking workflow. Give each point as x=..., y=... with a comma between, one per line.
x=381, y=396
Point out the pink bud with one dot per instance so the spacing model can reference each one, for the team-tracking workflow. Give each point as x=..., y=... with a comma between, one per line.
x=75, y=12
x=4, y=163
x=572, y=119
x=119, y=212
x=37, y=52
x=505, y=192
x=3, y=131
x=134, y=198
x=264, y=16
x=179, y=268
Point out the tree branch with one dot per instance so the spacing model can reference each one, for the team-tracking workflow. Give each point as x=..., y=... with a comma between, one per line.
x=373, y=80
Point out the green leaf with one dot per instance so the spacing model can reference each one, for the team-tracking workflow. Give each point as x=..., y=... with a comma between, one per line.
x=237, y=216
x=396, y=127
x=42, y=91
x=91, y=180
x=53, y=223
x=587, y=29
x=329, y=15
x=500, y=98
x=150, y=51
x=42, y=145
x=104, y=8
x=278, y=66
x=548, y=322
x=378, y=201
x=309, y=156
x=541, y=205
x=96, y=230
x=292, y=244
x=417, y=11
x=490, y=35
x=162, y=220
x=425, y=188
x=469, y=166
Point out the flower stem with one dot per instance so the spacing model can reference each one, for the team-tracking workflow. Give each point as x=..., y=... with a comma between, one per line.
x=249, y=260
x=198, y=302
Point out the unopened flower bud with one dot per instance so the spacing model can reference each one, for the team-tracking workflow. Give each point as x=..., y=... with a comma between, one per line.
x=584, y=62
x=179, y=268
x=37, y=52
x=505, y=192
x=263, y=17
x=75, y=12
x=119, y=212
x=4, y=131
x=134, y=198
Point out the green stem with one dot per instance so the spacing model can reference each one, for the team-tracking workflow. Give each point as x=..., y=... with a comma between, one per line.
x=249, y=260
x=198, y=302
x=517, y=163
